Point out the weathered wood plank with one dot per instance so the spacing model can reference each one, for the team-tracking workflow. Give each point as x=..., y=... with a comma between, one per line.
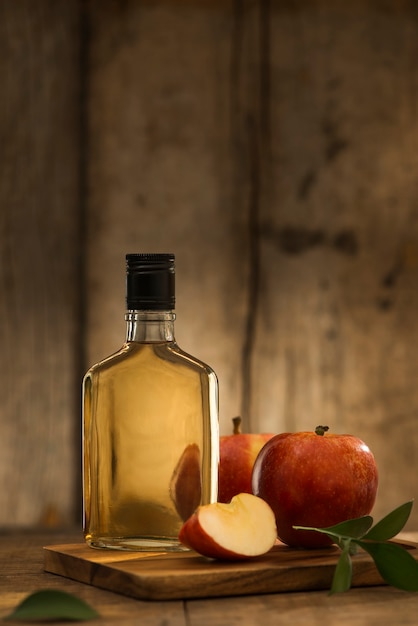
x=372, y=606
x=272, y=147
x=22, y=573
x=40, y=255
x=337, y=338
x=160, y=172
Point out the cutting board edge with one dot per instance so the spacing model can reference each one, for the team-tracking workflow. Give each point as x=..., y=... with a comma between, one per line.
x=161, y=587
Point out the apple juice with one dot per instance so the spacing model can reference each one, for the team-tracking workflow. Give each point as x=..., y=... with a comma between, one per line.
x=150, y=437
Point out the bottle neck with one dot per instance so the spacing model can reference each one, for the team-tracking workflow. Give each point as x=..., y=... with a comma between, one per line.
x=150, y=326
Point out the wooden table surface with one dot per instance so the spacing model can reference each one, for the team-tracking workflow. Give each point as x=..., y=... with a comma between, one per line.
x=21, y=572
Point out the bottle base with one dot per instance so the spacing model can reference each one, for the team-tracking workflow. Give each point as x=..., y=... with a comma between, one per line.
x=137, y=544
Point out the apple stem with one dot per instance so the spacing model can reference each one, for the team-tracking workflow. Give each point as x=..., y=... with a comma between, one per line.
x=237, y=425
x=321, y=430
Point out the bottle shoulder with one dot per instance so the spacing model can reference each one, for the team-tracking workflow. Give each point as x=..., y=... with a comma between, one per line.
x=189, y=358
x=143, y=356
x=109, y=361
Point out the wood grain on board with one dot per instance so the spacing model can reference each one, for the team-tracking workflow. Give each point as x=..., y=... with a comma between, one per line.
x=171, y=576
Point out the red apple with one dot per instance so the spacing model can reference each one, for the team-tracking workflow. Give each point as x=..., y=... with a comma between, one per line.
x=243, y=528
x=237, y=455
x=315, y=479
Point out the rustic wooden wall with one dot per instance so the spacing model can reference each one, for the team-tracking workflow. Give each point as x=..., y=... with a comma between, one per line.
x=40, y=260
x=272, y=147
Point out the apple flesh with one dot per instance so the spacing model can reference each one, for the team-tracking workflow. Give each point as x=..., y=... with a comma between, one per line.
x=237, y=453
x=240, y=529
x=315, y=479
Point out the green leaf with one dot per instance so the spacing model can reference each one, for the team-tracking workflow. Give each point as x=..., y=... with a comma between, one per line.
x=396, y=565
x=391, y=524
x=343, y=571
x=354, y=528
x=51, y=604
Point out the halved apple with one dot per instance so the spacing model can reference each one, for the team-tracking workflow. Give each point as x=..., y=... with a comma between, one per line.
x=240, y=529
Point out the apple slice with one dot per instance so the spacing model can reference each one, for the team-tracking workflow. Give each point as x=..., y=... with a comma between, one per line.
x=240, y=529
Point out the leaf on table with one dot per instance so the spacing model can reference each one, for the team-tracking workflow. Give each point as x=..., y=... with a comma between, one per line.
x=395, y=564
x=391, y=524
x=52, y=604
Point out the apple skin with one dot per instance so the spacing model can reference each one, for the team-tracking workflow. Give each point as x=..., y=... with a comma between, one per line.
x=185, y=484
x=237, y=453
x=241, y=529
x=315, y=480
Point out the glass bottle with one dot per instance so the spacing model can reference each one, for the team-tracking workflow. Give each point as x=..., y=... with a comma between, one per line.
x=150, y=424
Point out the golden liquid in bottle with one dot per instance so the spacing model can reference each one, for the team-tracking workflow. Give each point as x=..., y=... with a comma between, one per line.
x=149, y=456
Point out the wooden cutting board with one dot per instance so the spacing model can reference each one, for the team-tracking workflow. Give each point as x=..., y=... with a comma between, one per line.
x=153, y=576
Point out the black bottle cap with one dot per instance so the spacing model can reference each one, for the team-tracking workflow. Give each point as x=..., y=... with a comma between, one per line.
x=150, y=282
